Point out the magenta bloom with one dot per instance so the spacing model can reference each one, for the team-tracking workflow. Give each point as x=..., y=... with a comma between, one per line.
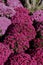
x=14, y=3
x=4, y=53
x=21, y=59
x=17, y=45
x=4, y=23
x=21, y=16
x=39, y=56
x=19, y=36
x=21, y=31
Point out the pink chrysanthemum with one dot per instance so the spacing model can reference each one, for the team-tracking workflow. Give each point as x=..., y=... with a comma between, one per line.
x=21, y=31
x=21, y=59
x=6, y=10
x=4, y=53
x=19, y=35
x=4, y=23
x=37, y=18
x=39, y=56
x=14, y=3
x=21, y=16
x=17, y=45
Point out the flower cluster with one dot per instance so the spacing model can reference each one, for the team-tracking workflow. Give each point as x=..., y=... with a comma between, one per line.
x=21, y=31
x=14, y=3
x=6, y=10
x=26, y=59
x=21, y=59
x=39, y=56
x=4, y=53
x=4, y=23
x=37, y=18
x=21, y=16
x=21, y=34
x=19, y=37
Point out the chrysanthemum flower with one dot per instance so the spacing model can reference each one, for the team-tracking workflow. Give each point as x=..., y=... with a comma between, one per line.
x=6, y=10
x=4, y=23
x=38, y=16
x=14, y=3
x=21, y=16
x=37, y=19
x=39, y=56
x=19, y=36
x=4, y=53
x=20, y=59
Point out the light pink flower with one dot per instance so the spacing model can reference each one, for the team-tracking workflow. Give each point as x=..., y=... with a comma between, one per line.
x=6, y=10
x=4, y=23
x=14, y=3
x=37, y=19
x=38, y=16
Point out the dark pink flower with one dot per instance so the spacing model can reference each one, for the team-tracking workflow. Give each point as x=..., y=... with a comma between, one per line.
x=21, y=59
x=16, y=43
x=39, y=56
x=19, y=36
x=33, y=61
x=4, y=53
x=21, y=31
x=21, y=16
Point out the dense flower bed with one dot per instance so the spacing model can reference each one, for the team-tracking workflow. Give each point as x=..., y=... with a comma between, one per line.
x=21, y=34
